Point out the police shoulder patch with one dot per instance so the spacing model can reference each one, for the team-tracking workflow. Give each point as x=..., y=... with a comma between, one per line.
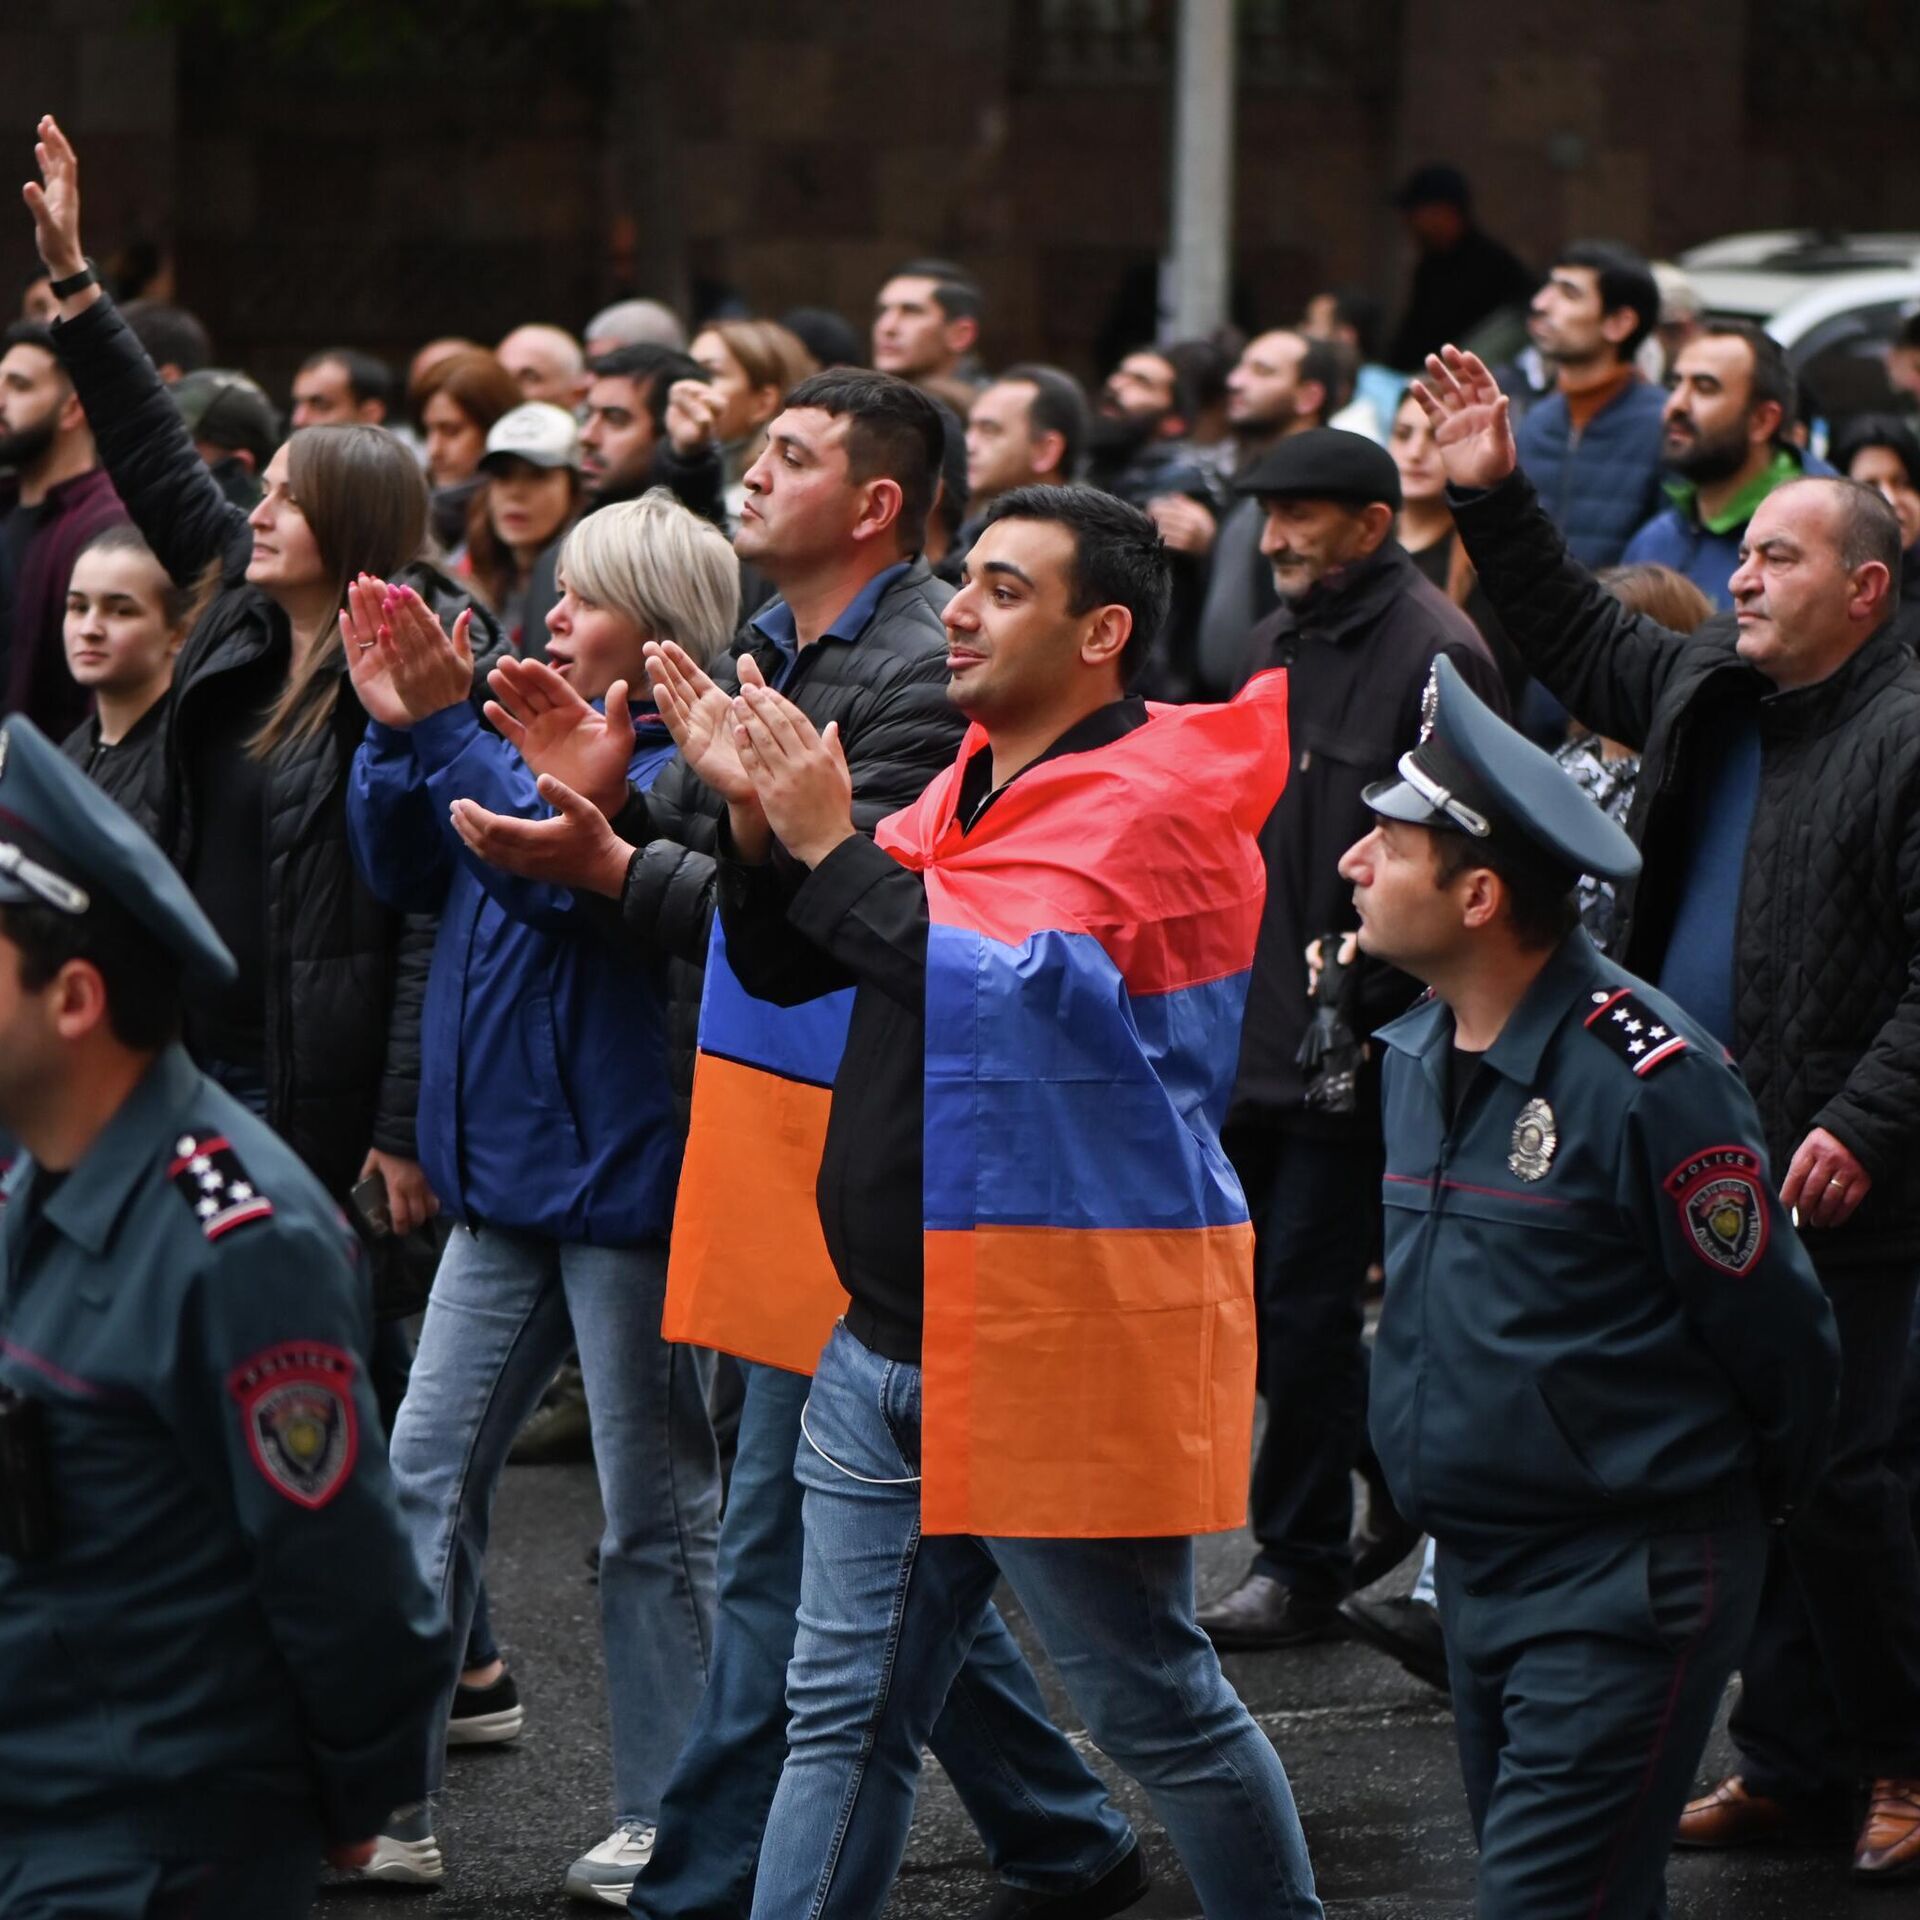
x=1633, y=1030
x=207, y=1174
x=1722, y=1206
x=296, y=1406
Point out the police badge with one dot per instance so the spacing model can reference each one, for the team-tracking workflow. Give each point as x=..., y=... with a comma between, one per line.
x=1722, y=1207
x=1535, y=1135
x=296, y=1404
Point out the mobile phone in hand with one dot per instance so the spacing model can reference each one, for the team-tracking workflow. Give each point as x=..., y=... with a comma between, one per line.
x=369, y=1203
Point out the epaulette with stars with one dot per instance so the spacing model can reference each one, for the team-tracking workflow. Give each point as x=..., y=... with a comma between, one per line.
x=1633, y=1030
x=207, y=1174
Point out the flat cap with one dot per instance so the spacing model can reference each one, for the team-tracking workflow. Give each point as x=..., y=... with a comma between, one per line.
x=1473, y=774
x=65, y=845
x=1433, y=185
x=1325, y=463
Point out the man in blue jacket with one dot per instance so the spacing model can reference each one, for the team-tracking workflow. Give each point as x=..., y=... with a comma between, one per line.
x=1592, y=447
x=1730, y=401
x=1604, y=1362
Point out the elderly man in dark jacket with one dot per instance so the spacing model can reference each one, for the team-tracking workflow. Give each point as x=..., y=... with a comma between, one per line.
x=834, y=512
x=1778, y=810
x=1359, y=627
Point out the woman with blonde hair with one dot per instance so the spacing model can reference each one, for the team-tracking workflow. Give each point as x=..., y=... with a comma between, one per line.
x=549, y=1129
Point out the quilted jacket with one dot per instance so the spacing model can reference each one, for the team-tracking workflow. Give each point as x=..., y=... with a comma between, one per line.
x=887, y=689
x=1602, y=483
x=1827, y=954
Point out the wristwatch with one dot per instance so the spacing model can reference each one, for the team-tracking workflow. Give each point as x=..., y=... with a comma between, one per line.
x=74, y=283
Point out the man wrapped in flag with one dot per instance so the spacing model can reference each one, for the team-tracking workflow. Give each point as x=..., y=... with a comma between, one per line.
x=1045, y=1365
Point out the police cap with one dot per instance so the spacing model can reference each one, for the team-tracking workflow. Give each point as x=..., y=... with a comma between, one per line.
x=65, y=845
x=1472, y=774
x=1325, y=463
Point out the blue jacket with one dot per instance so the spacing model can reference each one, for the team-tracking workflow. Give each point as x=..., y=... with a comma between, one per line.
x=1597, y=1312
x=1600, y=485
x=1676, y=537
x=544, y=1099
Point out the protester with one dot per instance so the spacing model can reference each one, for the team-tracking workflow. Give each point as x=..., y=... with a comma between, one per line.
x=624, y=439
x=1724, y=446
x=176, y=341
x=1284, y=383
x=1358, y=629
x=38, y=302
x=54, y=497
x=834, y=516
x=831, y=338
x=1027, y=427
x=634, y=323
x=1592, y=447
x=548, y=363
x=1461, y=275
x=1593, y=1418
x=1881, y=451
x=751, y=367
x=1763, y=915
x=341, y=386
x=1350, y=317
x=125, y=623
x=530, y=495
x=554, y=1143
x=234, y=428
x=455, y=403
x=913, y=1513
x=926, y=325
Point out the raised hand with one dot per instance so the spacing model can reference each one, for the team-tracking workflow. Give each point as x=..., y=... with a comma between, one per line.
x=430, y=668
x=576, y=848
x=700, y=717
x=556, y=732
x=54, y=201
x=360, y=637
x=693, y=415
x=1472, y=422
x=800, y=774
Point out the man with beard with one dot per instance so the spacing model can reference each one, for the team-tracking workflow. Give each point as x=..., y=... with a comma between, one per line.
x=1140, y=451
x=1358, y=627
x=56, y=498
x=1730, y=401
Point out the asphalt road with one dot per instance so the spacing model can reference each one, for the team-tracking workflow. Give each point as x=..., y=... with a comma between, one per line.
x=1369, y=1751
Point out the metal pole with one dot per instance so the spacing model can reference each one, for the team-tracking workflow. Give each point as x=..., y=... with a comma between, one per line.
x=1199, y=261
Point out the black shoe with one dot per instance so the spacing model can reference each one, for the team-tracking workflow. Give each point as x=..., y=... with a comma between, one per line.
x=1262, y=1612
x=486, y=1716
x=1406, y=1630
x=1123, y=1883
x=1381, y=1539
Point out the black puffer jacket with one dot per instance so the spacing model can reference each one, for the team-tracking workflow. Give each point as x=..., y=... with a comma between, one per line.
x=887, y=689
x=1827, y=953
x=346, y=977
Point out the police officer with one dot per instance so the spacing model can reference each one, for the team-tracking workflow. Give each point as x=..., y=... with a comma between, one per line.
x=217, y=1659
x=1603, y=1363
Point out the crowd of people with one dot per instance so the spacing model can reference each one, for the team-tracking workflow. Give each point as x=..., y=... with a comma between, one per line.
x=772, y=865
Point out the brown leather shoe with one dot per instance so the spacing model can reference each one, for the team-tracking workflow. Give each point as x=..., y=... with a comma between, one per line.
x=1889, y=1844
x=1730, y=1816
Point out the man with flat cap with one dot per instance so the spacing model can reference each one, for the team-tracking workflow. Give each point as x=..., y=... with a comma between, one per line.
x=1604, y=1363
x=1359, y=629
x=216, y=1656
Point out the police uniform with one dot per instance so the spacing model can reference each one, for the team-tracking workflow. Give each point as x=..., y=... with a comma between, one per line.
x=1603, y=1361
x=216, y=1653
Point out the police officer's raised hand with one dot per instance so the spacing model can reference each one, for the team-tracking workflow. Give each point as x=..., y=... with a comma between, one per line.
x=1472, y=421
x=1824, y=1181
x=576, y=848
x=555, y=731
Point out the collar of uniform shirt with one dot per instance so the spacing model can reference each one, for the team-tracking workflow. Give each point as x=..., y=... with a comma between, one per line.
x=775, y=623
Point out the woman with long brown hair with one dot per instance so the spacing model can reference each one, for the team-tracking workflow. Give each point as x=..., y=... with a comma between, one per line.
x=454, y=405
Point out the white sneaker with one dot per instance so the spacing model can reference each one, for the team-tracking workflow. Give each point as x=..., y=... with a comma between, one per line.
x=608, y=1872
x=406, y=1854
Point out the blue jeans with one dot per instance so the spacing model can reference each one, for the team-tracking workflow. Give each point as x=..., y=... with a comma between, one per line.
x=886, y=1619
x=505, y=1309
x=1045, y=1816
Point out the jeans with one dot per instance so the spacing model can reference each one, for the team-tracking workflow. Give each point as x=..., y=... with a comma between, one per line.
x=1044, y=1815
x=1315, y=1204
x=1830, y=1686
x=96, y=1880
x=505, y=1309
x=886, y=1618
